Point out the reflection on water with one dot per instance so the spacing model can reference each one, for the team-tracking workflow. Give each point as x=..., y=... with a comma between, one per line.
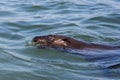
x=91, y=21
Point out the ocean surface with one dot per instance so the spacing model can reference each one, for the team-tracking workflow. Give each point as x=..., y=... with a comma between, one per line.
x=95, y=21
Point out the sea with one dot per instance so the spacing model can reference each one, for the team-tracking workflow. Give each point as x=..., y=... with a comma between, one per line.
x=92, y=21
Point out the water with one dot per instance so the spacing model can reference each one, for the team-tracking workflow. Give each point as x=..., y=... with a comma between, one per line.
x=95, y=21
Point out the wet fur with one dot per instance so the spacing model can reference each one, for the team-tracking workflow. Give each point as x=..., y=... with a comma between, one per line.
x=68, y=42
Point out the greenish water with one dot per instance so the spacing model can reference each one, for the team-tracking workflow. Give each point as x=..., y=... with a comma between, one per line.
x=95, y=21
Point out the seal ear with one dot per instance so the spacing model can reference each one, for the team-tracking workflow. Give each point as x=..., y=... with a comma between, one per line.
x=66, y=40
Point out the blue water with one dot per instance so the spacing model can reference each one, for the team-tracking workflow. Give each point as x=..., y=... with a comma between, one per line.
x=96, y=21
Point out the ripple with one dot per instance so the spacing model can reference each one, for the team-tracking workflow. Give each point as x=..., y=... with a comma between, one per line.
x=6, y=13
x=34, y=8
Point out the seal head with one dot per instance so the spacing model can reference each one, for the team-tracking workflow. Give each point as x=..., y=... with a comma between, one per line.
x=51, y=41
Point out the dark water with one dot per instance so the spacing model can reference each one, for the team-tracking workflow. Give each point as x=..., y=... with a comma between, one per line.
x=95, y=21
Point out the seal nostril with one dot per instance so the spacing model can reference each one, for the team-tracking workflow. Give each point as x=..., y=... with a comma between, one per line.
x=35, y=39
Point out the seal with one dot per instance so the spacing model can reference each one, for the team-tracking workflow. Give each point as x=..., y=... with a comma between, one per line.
x=65, y=42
